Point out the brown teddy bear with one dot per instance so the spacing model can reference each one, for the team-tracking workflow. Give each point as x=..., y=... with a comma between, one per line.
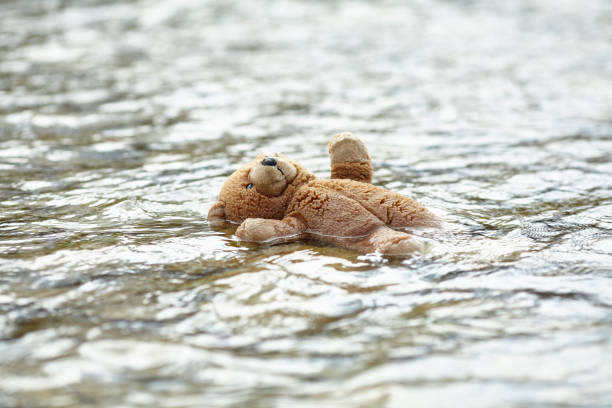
x=274, y=199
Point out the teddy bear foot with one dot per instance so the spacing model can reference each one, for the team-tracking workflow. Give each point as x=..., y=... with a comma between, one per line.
x=347, y=148
x=390, y=242
x=404, y=246
x=349, y=158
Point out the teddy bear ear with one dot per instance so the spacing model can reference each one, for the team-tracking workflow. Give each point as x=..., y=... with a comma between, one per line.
x=216, y=214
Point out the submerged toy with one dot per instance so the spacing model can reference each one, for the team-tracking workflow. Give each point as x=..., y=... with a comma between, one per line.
x=275, y=199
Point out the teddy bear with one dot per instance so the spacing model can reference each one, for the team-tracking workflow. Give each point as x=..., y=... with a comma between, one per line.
x=275, y=199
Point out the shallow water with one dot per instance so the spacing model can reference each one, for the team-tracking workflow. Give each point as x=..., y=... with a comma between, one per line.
x=120, y=121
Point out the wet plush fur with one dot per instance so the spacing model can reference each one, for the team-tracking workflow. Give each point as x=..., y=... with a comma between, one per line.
x=345, y=210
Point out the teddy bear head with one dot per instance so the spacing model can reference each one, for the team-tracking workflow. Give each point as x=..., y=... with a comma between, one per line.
x=260, y=189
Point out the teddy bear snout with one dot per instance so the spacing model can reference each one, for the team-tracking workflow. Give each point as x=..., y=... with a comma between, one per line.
x=268, y=179
x=269, y=161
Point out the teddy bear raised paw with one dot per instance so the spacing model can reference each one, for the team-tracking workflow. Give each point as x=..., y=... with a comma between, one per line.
x=275, y=199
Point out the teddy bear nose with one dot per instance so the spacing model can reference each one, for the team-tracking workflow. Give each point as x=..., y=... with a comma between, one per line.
x=268, y=161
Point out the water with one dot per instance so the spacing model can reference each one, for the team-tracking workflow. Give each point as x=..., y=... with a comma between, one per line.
x=119, y=122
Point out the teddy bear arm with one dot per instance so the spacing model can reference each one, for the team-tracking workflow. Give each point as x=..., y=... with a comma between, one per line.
x=262, y=230
x=216, y=214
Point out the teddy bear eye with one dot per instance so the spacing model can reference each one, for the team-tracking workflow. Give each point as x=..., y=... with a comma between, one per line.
x=249, y=186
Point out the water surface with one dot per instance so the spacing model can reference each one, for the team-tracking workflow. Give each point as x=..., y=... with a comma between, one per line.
x=119, y=122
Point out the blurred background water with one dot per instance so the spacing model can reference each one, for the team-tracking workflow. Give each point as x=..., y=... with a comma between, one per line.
x=119, y=122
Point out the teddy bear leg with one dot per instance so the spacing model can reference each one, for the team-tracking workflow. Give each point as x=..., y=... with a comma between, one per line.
x=387, y=241
x=349, y=158
x=266, y=230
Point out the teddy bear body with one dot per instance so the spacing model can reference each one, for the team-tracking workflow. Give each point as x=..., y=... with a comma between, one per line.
x=276, y=199
x=348, y=208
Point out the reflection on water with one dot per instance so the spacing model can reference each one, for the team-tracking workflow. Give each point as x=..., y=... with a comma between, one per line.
x=120, y=121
